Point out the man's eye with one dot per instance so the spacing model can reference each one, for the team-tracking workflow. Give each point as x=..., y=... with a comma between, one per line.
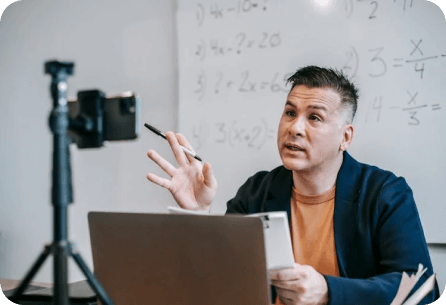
x=314, y=118
x=290, y=113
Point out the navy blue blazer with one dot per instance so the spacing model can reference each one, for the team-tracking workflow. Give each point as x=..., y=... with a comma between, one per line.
x=377, y=229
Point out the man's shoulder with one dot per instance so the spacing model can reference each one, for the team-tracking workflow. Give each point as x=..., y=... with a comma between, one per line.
x=268, y=181
x=368, y=177
x=262, y=177
x=251, y=197
x=366, y=171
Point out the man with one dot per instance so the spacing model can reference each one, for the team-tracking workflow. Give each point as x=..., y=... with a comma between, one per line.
x=355, y=228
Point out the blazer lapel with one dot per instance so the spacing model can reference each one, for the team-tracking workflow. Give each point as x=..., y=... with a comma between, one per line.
x=345, y=213
x=279, y=194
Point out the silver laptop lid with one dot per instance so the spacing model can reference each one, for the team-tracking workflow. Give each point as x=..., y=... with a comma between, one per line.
x=179, y=259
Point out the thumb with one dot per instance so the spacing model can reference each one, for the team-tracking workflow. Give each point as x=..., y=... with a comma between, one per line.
x=209, y=178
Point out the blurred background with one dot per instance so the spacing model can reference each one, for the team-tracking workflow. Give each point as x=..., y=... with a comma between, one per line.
x=116, y=46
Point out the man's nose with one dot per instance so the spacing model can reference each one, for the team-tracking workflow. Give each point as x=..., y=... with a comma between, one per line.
x=298, y=126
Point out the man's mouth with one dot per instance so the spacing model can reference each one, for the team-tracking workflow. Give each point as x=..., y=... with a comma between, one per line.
x=293, y=147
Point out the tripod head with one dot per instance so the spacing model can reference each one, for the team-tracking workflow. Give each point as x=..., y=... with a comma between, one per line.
x=94, y=117
x=57, y=68
x=59, y=72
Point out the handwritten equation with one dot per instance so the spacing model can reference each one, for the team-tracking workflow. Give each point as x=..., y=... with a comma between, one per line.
x=417, y=58
x=419, y=61
x=411, y=108
x=217, y=11
x=233, y=133
x=374, y=7
x=239, y=44
x=219, y=83
x=379, y=65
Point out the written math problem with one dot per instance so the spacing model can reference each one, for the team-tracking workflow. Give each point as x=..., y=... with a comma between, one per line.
x=370, y=9
x=412, y=108
x=228, y=9
x=239, y=46
x=243, y=82
x=233, y=133
x=235, y=57
x=379, y=61
x=240, y=43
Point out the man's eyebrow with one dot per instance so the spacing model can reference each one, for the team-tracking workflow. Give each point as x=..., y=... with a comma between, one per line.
x=317, y=107
x=320, y=107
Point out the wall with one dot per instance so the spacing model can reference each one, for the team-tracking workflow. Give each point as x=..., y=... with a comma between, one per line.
x=116, y=46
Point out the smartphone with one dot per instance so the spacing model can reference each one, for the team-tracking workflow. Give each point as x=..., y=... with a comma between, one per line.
x=96, y=117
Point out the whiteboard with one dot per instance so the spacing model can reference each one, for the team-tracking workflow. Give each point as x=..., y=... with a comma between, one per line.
x=234, y=56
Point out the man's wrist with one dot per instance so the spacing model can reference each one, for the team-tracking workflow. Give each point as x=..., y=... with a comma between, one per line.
x=206, y=209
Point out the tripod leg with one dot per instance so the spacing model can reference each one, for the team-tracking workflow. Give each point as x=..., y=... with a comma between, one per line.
x=61, y=295
x=32, y=272
x=92, y=280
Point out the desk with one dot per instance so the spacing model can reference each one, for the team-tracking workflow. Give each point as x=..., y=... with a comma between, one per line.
x=8, y=284
x=41, y=293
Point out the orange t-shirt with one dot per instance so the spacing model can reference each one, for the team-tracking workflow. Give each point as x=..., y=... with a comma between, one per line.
x=312, y=233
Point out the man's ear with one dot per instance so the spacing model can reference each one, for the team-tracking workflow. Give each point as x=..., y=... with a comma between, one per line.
x=347, y=137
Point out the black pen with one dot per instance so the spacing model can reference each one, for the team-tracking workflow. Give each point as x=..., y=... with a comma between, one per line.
x=187, y=151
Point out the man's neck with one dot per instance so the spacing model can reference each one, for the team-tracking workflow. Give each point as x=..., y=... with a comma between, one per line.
x=317, y=181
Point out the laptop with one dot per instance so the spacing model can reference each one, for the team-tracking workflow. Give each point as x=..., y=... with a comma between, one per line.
x=172, y=259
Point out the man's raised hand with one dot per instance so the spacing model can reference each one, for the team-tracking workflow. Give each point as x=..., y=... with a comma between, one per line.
x=192, y=185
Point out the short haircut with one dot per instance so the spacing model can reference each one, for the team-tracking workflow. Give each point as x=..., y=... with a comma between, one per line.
x=317, y=77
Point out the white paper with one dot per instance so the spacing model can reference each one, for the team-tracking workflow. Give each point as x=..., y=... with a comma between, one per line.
x=278, y=249
x=424, y=289
x=406, y=285
x=178, y=210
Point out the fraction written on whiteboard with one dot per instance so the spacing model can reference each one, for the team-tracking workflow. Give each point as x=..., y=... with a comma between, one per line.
x=379, y=62
x=374, y=8
x=412, y=107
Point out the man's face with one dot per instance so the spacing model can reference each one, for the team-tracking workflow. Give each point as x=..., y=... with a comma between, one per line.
x=312, y=129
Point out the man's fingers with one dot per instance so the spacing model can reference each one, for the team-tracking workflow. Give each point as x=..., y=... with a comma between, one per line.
x=166, y=166
x=158, y=180
x=290, y=274
x=285, y=295
x=185, y=143
x=209, y=178
x=284, y=275
x=288, y=285
x=178, y=152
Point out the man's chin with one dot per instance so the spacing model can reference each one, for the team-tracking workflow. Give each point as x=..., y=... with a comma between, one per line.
x=294, y=165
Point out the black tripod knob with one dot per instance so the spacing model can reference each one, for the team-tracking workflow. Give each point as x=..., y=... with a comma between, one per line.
x=56, y=68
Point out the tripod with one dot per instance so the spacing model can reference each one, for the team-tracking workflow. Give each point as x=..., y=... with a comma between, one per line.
x=61, y=248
